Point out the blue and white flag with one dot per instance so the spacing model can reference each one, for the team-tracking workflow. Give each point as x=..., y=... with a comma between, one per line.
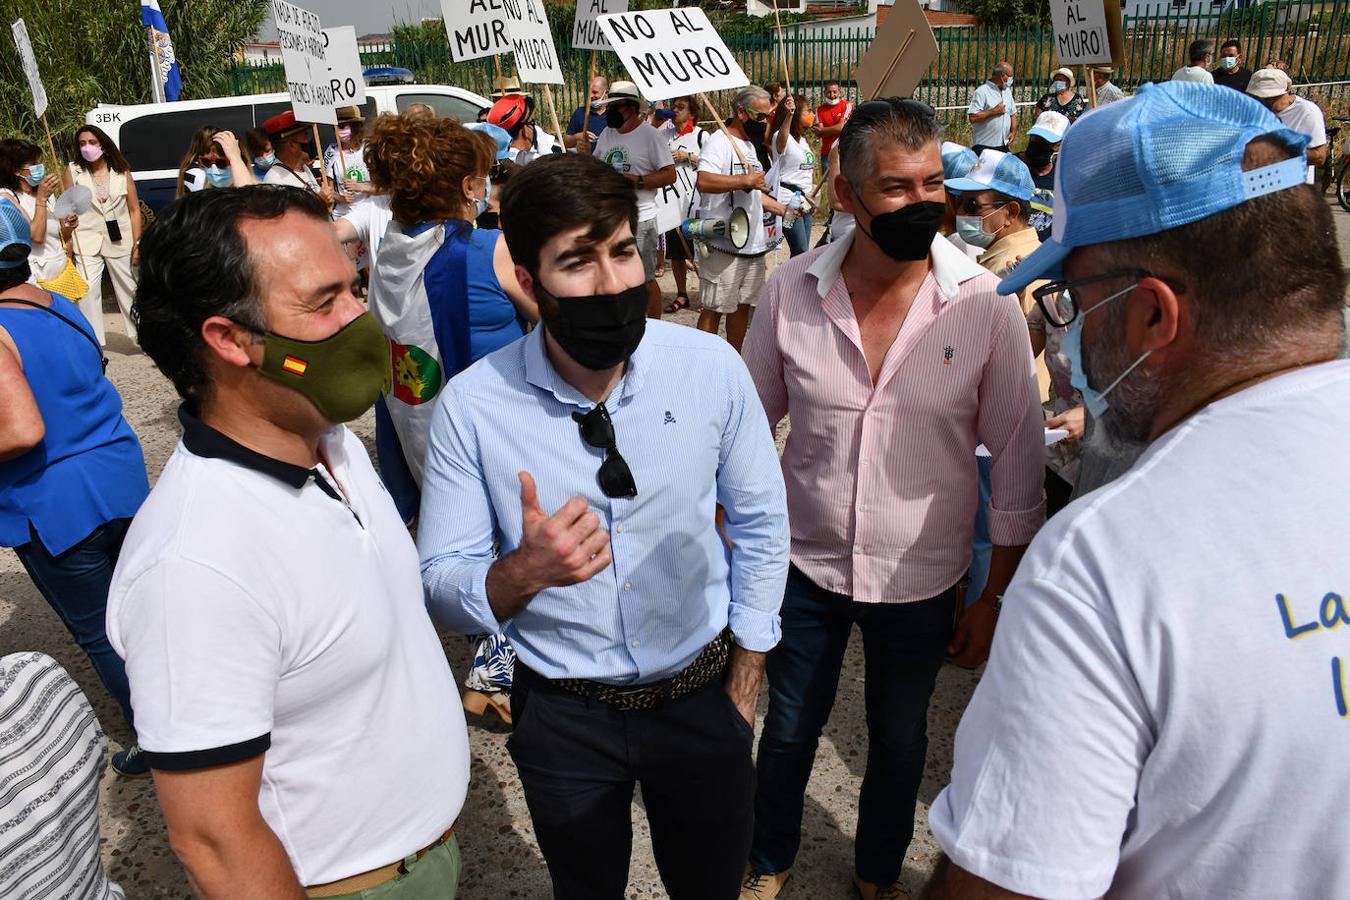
x=162, y=47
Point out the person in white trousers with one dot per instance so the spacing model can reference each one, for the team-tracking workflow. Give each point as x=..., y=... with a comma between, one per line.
x=109, y=233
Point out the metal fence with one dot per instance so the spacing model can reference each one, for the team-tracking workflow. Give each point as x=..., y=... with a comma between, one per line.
x=1310, y=38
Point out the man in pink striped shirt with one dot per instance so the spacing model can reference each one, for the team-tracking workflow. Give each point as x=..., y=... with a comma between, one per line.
x=894, y=355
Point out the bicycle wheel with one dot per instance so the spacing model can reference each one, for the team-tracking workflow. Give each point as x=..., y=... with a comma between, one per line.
x=1342, y=187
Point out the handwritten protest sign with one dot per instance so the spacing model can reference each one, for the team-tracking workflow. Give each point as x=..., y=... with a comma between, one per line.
x=302, y=55
x=586, y=33
x=1085, y=33
x=30, y=67
x=672, y=52
x=476, y=28
x=532, y=42
x=345, y=73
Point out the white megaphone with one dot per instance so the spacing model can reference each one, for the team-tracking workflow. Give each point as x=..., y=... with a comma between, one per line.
x=736, y=229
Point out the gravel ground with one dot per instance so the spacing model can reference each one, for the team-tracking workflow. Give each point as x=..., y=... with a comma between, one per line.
x=500, y=854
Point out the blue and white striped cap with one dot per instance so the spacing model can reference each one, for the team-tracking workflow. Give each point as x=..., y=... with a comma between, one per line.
x=957, y=160
x=13, y=230
x=1168, y=156
x=996, y=171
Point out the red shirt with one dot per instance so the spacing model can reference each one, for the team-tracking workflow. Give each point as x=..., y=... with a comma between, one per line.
x=828, y=116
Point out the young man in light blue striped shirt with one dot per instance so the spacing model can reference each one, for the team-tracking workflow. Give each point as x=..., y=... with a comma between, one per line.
x=571, y=485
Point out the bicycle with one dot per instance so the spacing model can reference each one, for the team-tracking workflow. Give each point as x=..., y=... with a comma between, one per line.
x=1338, y=160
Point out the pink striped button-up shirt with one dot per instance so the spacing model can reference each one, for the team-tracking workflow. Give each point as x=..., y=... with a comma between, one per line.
x=882, y=481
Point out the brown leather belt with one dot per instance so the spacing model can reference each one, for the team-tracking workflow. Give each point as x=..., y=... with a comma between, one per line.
x=710, y=665
x=375, y=877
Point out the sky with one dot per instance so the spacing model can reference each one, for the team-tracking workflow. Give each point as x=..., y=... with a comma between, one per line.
x=368, y=16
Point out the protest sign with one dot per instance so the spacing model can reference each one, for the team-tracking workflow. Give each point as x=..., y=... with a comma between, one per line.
x=586, y=33
x=672, y=52
x=30, y=67
x=302, y=55
x=476, y=28
x=532, y=42
x=674, y=201
x=1087, y=32
x=901, y=52
x=346, y=76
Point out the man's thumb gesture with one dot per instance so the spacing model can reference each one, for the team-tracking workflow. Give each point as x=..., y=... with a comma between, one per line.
x=530, y=511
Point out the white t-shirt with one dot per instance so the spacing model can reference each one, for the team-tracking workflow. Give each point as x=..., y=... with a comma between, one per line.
x=1148, y=726
x=720, y=159
x=796, y=167
x=284, y=174
x=290, y=621
x=641, y=151
x=356, y=170
x=49, y=252
x=370, y=219
x=1305, y=117
x=1193, y=74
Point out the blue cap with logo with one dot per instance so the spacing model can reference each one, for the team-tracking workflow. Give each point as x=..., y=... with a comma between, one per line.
x=1168, y=156
x=13, y=230
x=996, y=171
x=495, y=132
x=957, y=160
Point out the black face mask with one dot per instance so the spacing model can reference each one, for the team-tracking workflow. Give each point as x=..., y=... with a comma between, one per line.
x=601, y=331
x=614, y=117
x=756, y=130
x=1039, y=152
x=905, y=234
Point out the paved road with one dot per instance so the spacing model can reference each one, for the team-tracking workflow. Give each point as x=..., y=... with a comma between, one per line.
x=501, y=857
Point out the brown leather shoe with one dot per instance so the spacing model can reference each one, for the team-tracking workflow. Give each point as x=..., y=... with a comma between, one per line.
x=869, y=891
x=762, y=885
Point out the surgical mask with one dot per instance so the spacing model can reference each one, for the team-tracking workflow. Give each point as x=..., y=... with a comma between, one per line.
x=344, y=133
x=832, y=101
x=342, y=375
x=1072, y=348
x=91, y=152
x=614, y=117
x=755, y=131
x=480, y=206
x=1057, y=86
x=1229, y=62
x=905, y=234
x=600, y=331
x=36, y=172
x=971, y=229
x=219, y=177
x=265, y=162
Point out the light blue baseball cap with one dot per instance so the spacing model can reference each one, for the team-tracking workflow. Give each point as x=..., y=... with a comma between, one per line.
x=495, y=132
x=957, y=160
x=1168, y=156
x=996, y=171
x=13, y=230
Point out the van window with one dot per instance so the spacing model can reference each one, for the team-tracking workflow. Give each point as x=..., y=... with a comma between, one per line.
x=444, y=105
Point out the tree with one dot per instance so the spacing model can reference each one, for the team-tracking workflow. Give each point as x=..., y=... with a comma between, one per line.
x=1007, y=12
x=94, y=51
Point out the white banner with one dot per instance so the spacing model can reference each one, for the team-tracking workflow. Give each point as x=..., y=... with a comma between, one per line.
x=673, y=202
x=345, y=73
x=1081, y=37
x=672, y=52
x=476, y=28
x=586, y=33
x=532, y=42
x=302, y=54
x=30, y=67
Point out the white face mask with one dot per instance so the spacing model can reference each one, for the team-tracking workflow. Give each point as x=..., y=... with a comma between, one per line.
x=832, y=101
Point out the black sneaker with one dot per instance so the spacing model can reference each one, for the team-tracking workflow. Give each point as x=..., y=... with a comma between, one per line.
x=130, y=763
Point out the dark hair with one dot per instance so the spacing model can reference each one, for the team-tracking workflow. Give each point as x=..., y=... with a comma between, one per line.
x=1023, y=206
x=909, y=123
x=1274, y=287
x=780, y=113
x=558, y=193
x=826, y=85
x=15, y=153
x=17, y=275
x=111, y=155
x=256, y=139
x=1231, y=42
x=1200, y=49
x=195, y=263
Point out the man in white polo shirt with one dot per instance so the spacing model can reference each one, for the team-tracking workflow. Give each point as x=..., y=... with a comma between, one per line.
x=292, y=698
x=638, y=152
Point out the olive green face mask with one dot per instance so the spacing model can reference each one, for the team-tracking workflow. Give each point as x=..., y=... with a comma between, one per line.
x=342, y=375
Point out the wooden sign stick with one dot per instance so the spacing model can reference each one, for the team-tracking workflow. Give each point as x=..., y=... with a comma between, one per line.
x=553, y=111
x=323, y=170
x=341, y=158
x=56, y=163
x=497, y=64
x=1091, y=86
x=782, y=49
x=895, y=62
x=586, y=115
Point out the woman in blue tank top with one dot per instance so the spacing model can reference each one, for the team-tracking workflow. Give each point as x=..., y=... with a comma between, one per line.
x=71, y=470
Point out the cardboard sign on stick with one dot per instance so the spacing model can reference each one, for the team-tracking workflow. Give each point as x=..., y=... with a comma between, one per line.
x=302, y=55
x=1087, y=32
x=346, y=76
x=532, y=42
x=901, y=53
x=30, y=67
x=672, y=52
x=586, y=33
x=476, y=28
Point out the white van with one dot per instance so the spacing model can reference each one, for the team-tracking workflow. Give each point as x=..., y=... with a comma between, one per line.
x=154, y=136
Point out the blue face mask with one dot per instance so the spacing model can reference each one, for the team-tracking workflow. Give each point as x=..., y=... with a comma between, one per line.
x=971, y=230
x=1229, y=62
x=482, y=205
x=36, y=172
x=265, y=162
x=1072, y=348
x=1058, y=86
x=219, y=177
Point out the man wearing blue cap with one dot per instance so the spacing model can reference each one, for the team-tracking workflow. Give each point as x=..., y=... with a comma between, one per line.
x=1148, y=725
x=957, y=160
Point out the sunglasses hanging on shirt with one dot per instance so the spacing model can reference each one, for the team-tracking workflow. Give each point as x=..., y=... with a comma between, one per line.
x=597, y=430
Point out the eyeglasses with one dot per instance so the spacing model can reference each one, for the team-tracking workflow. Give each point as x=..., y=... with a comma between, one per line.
x=597, y=430
x=971, y=207
x=1060, y=308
